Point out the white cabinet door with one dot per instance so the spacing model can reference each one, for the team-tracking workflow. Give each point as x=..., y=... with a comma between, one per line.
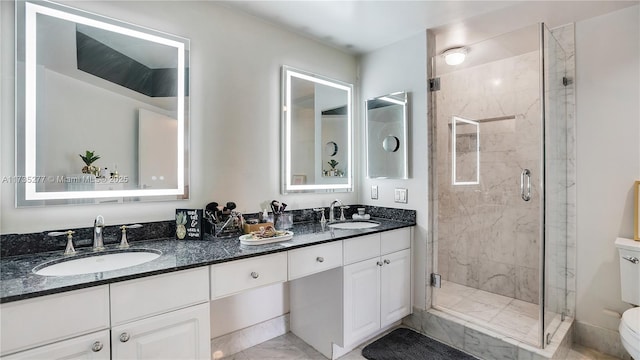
x=361, y=299
x=87, y=347
x=180, y=334
x=395, y=280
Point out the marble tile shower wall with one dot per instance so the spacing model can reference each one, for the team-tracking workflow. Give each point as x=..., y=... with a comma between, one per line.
x=487, y=237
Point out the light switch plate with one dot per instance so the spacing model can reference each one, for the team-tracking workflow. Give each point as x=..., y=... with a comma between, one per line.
x=374, y=192
x=400, y=195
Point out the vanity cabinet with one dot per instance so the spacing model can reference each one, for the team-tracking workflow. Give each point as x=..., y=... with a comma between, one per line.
x=377, y=291
x=334, y=311
x=161, y=316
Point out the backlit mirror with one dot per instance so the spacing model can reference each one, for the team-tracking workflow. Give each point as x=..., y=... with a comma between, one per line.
x=316, y=133
x=387, y=135
x=102, y=109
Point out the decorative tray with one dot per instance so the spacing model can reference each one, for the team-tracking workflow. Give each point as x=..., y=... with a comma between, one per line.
x=250, y=239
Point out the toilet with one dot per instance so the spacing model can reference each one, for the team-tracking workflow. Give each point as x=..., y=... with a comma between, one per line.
x=629, y=253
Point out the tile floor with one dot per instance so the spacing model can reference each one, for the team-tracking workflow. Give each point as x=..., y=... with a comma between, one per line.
x=502, y=314
x=289, y=346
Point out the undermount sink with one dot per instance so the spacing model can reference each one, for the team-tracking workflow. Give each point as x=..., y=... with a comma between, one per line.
x=96, y=262
x=354, y=225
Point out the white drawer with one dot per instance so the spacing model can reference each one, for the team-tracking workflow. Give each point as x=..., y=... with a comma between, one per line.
x=34, y=322
x=314, y=259
x=361, y=248
x=395, y=240
x=78, y=348
x=236, y=276
x=140, y=298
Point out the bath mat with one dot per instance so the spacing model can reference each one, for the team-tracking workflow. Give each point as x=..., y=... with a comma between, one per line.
x=405, y=344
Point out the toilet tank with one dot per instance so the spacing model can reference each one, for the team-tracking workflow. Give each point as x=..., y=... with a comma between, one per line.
x=629, y=256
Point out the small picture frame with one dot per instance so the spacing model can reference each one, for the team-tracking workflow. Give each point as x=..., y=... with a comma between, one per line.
x=636, y=206
x=298, y=179
x=189, y=224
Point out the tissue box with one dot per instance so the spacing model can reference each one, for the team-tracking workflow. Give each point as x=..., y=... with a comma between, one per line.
x=248, y=228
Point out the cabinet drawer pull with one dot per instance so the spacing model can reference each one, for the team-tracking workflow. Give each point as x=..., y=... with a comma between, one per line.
x=320, y=259
x=254, y=275
x=387, y=261
x=97, y=346
x=379, y=263
x=124, y=337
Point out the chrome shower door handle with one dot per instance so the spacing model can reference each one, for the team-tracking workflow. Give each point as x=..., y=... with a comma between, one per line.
x=525, y=190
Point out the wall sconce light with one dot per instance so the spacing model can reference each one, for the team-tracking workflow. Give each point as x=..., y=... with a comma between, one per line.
x=455, y=56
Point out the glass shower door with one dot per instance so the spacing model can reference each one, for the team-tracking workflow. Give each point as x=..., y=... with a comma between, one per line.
x=488, y=162
x=555, y=250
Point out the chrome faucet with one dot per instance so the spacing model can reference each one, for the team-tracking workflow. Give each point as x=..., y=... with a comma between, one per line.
x=98, y=228
x=332, y=216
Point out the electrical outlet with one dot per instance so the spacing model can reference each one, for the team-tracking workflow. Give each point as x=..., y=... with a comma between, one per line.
x=400, y=196
x=374, y=192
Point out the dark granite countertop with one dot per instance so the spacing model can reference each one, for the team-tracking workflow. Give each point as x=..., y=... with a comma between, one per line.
x=18, y=282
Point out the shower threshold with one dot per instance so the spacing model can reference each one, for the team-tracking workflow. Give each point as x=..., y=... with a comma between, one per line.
x=511, y=317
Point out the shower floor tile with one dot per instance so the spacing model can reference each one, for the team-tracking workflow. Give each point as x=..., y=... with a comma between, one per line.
x=508, y=316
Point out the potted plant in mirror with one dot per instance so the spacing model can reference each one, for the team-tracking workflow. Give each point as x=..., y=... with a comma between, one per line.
x=89, y=158
x=333, y=171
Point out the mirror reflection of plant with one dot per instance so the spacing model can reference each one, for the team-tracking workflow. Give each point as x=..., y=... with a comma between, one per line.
x=89, y=158
x=333, y=164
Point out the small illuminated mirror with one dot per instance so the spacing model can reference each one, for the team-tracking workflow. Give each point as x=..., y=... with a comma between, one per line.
x=387, y=136
x=465, y=151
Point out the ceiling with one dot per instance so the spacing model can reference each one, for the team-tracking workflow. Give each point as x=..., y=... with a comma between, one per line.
x=362, y=26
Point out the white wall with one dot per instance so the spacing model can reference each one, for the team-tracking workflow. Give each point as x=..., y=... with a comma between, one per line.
x=235, y=111
x=608, y=156
x=402, y=67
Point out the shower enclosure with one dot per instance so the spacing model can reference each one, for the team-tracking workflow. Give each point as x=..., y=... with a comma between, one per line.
x=500, y=185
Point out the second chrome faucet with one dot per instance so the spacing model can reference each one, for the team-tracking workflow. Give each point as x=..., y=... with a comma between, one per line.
x=98, y=230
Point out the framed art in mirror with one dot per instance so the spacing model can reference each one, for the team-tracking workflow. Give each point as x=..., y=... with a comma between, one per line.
x=316, y=138
x=91, y=85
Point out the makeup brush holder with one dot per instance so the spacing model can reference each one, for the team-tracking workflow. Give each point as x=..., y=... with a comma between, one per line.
x=282, y=221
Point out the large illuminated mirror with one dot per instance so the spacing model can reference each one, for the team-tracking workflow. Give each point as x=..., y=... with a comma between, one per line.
x=316, y=133
x=465, y=151
x=387, y=135
x=88, y=86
